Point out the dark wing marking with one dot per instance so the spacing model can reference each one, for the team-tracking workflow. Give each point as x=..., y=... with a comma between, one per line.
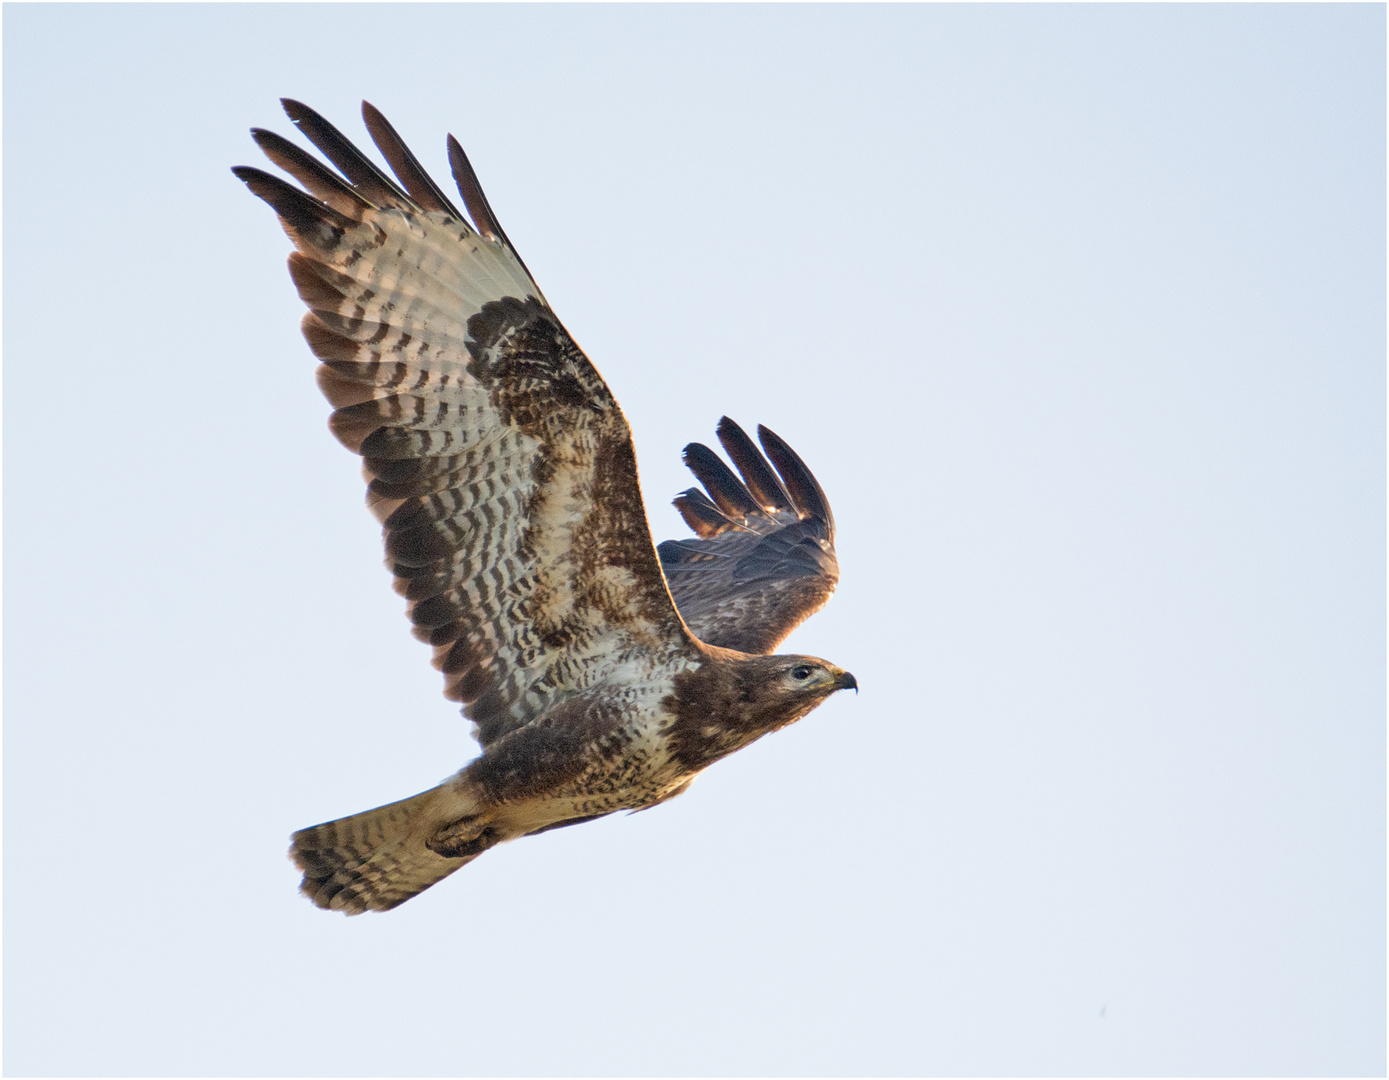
x=496, y=458
x=764, y=560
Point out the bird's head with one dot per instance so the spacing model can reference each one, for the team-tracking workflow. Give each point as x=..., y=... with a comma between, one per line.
x=809, y=675
x=788, y=687
x=735, y=699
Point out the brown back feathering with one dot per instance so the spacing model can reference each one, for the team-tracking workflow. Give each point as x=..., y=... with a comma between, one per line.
x=763, y=560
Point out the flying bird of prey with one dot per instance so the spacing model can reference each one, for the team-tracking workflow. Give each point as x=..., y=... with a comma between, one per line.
x=600, y=675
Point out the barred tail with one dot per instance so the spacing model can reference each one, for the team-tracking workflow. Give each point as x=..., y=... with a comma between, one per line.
x=376, y=860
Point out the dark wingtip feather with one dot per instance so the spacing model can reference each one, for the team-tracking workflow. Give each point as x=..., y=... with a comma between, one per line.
x=800, y=481
x=724, y=488
x=300, y=113
x=761, y=481
x=328, y=186
x=473, y=198
x=318, y=223
x=700, y=514
x=479, y=209
x=351, y=162
x=403, y=163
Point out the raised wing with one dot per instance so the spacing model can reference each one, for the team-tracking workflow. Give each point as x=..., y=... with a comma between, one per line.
x=764, y=559
x=496, y=458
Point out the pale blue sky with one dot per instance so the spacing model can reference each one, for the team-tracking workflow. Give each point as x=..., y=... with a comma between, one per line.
x=1078, y=314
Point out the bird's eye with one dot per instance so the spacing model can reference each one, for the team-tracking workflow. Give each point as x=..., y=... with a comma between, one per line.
x=801, y=672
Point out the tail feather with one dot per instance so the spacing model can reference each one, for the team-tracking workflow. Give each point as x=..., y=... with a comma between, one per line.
x=376, y=860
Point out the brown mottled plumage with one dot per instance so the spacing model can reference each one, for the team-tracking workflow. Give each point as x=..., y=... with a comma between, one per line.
x=598, y=675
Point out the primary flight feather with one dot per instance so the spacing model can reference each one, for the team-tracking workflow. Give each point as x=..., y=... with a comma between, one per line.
x=600, y=674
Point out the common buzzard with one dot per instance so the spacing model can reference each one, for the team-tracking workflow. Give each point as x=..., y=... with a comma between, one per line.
x=599, y=674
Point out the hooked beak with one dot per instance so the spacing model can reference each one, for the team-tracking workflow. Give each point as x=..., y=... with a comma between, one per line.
x=846, y=682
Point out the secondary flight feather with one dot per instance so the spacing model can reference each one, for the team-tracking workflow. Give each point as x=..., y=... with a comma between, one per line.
x=600, y=674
